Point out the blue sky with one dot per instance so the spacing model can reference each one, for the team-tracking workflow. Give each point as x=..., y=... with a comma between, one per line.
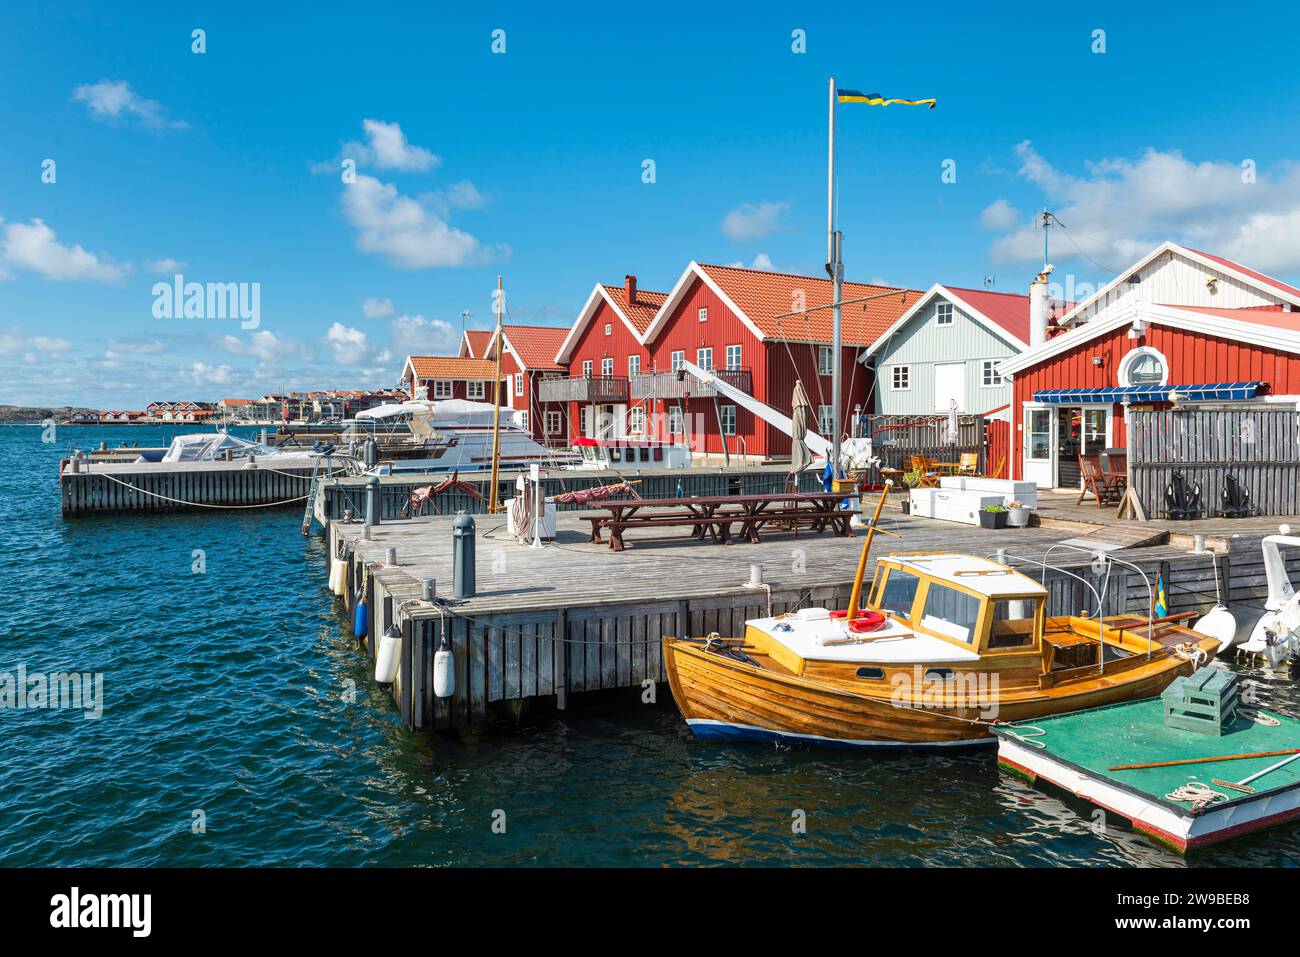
x=529, y=162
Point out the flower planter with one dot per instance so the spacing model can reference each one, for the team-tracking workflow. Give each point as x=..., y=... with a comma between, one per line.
x=993, y=519
x=1017, y=517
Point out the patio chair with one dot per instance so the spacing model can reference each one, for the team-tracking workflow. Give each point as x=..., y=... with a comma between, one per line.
x=968, y=464
x=1114, y=465
x=925, y=468
x=1104, y=489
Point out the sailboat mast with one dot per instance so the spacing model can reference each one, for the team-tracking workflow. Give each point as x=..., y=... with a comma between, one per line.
x=494, y=504
x=834, y=266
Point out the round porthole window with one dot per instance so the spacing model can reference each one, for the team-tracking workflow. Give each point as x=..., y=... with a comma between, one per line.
x=1144, y=366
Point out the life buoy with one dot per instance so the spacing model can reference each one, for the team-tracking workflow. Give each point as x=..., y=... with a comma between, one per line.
x=867, y=621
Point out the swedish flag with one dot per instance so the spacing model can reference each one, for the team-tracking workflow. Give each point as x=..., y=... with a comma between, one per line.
x=875, y=99
x=1161, y=608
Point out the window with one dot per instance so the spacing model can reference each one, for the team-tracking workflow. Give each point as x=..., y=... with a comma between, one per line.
x=607, y=366
x=901, y=378
x=826, y=419
x=825, y=360
x=990, y=375
x=1013, y=622
x=442, y=388
x=636, y=421
x=678, y=358
x=950, y=612
x=1038, y=440
x=609, y=328
x=584, y=420
x=523, y=420
x=943, y=314
x=633, y=365
x=586, y=367
x=704, y=358
x=519, y=383
x=704, y=314
x=1143, y=366
x=675, y=421
x=728, y=413
x=552, y=423
x=476, y=390
x=898, y=592
x=1094, y=430
x=733, y=357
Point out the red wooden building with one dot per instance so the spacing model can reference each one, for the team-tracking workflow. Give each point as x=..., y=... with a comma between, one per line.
x=1179, y=325
x=449, y=377
x=626, y=345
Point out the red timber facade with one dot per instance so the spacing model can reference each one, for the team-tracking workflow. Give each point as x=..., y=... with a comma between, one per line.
x=1177, y=319
x=449, y=377
x=528, y=360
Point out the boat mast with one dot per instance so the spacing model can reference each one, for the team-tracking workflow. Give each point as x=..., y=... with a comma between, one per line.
x=493, y=497
x=834, y=266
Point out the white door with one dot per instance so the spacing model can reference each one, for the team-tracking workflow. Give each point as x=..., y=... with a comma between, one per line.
x=1038, y=438
x=949, y=385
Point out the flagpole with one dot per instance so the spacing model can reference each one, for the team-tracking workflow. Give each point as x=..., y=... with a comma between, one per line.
x=835, y=266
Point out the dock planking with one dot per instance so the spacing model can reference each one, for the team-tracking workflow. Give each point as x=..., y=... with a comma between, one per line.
x=574, y=616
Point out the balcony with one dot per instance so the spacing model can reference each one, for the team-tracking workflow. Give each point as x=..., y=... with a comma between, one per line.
x=599, y=389
x=666, y=385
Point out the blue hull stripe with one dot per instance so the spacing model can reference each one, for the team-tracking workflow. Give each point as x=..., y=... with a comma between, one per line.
x=709, y=730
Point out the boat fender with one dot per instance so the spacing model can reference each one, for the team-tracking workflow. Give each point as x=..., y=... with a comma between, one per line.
x=361, y=620
x=337, y=572
x=1219, y=624
x=444, y=672
x=388, y=656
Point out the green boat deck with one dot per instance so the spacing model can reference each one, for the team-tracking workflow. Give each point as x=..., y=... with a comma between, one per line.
x=1135, y=733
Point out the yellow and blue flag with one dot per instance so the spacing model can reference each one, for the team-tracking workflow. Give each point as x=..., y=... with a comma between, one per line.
x=875, y=99
x=1161, y=609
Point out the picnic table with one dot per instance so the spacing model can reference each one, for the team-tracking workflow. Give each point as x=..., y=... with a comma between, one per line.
x=713, y=515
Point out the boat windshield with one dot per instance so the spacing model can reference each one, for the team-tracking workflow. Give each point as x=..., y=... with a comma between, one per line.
x=951, y=612
x=1013, y=622
x=898, y=592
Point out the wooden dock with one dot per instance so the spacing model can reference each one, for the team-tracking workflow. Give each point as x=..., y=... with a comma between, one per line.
x=573, y=617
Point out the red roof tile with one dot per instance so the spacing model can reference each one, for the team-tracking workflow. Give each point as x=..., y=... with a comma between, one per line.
x=1273, y=318
x=640, y=313
x=1246, y=270
x=536, y=346
x=452, y=367
x=761, y=295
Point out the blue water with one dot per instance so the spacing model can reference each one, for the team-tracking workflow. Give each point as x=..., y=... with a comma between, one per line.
x=224, y=694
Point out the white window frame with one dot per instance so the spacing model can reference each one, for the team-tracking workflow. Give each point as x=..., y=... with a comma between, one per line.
x=519, y=383
x=733, y=358
x=441, y=389
x=704, y=358
x=1029, y=432
x=609, y=328
x=894, y=376
x=943, y=314
x=825, y=360
x=989, y=370
x=607, y=367
x=825, y=420
x=523, y=420
x=584, y=419
x=678, y=357
x=633, y=365
x=1133, y=355
x=554, y=422
x=476, y=389
x=676, y=421
x=636, y=420
x=587, y=367
x=728, y=416
x=704, y=313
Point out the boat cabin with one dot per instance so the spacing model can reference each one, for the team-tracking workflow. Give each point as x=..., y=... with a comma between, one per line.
x=631, y=453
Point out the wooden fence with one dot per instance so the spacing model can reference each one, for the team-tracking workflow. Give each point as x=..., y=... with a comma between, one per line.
x=896, y=438
x=1259, y=446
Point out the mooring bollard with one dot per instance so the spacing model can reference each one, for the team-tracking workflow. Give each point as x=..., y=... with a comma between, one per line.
x=462, y=538
x=755, y=574
x=372, y=501
x=428, y=589
x=1198, y=544
x=390, y=557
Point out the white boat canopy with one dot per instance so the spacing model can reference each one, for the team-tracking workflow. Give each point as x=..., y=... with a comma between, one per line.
x=207, y=446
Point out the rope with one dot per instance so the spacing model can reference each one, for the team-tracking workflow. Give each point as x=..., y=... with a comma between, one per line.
x=1259, y=717
x=1030, y=736
x=181, y=501
x=1197, y=794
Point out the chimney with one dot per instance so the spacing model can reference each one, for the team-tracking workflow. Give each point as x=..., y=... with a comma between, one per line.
x=629, y=285
x=1038, y=308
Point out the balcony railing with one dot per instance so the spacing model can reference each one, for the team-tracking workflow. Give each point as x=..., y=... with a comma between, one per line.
x=589, y=388
x=666, y=385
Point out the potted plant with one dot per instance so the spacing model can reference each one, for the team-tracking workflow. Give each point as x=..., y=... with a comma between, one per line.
x=1017, y=515
x=911, y=480
x=993, y=516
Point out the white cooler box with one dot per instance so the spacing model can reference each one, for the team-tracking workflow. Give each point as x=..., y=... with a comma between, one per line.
x=1026, y=493
x=952, y=505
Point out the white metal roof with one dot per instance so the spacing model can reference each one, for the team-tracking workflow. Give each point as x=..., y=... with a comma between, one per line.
x=970, y=571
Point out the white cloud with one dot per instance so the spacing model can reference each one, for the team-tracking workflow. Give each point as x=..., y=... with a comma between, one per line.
x=265, y=345
x=14, y=341
x=352, y=347
x=33, y=246
x=761, y=261
x=386, y=147
x=415, y=335
x=136, y=346
x=165, y=266
x=113, y=100
x=751, y=221
x=408, y=233
x=200, y=373
x=999, y=215
x=1122, y=207
x=373, y=308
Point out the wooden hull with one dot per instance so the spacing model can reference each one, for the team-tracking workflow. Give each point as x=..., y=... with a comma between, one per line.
x=725, y=699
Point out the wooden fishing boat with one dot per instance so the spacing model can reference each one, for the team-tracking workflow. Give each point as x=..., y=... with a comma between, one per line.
x=946, y=646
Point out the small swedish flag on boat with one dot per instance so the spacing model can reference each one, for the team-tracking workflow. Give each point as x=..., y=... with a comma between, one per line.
x=1161, y=608
x=875, y=99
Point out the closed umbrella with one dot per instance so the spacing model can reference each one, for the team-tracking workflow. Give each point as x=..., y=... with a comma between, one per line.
x=800, y=413
x=953, y=433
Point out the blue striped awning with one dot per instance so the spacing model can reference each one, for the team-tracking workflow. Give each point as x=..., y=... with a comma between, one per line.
x=1150, y=393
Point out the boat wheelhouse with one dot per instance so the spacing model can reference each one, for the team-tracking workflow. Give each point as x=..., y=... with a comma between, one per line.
x=631, y=453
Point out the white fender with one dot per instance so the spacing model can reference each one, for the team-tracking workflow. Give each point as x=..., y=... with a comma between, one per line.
x=444, y=673
x=388, y=656
x=1219, y=624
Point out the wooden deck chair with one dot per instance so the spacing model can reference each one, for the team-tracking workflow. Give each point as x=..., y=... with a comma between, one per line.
x=925, y=468
x=968, y=463
x=1095, y=481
